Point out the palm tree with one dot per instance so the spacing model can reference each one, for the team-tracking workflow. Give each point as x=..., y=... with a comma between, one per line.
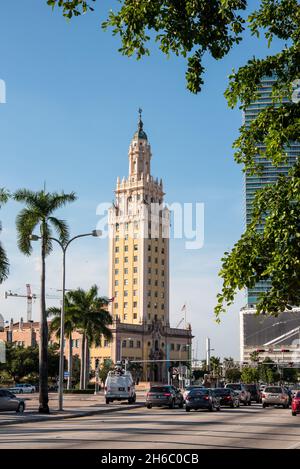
x=38, y=212
x=72, y=320
x=254, y=356
x=215, y=364
x=4, y=265
x=93, y=324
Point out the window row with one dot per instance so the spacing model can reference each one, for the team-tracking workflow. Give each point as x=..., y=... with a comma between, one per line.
x=117, y=260
x=135, y=248
x=131, y=343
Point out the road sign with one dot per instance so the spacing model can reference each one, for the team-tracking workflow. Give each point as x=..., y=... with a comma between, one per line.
x=66, y=374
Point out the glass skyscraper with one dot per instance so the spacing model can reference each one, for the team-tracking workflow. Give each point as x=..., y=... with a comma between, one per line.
x=269, y=173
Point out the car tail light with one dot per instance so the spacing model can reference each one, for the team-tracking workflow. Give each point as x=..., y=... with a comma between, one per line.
x=263, y=394
x=168, y=394
x=206, y=398
x=228, y=397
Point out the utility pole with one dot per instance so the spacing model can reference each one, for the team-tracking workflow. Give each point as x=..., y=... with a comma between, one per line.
x=208, y=353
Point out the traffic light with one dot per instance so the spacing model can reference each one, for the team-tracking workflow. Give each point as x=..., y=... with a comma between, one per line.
x=285, y=350
x=97, y=363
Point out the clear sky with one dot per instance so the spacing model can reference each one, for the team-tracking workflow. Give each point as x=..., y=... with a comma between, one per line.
x=71, y=112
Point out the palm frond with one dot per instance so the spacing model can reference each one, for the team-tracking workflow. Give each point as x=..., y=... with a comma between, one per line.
x=4, y=265
x=27, y=196
x=4, y=196
x=26, y=222
x=53, y=311
x=59, y=200
x=46, y=234
x=61, y=228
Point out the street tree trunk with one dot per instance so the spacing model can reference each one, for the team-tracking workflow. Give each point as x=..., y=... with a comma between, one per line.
x=82, y=361
x=70, y=362
x=43, y=346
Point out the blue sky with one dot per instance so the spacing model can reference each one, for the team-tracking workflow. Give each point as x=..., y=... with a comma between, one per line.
x=71, y=111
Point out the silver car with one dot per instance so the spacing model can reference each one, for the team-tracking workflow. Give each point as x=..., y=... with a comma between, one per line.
x=240, y=390
x=8, y=401
x=275, y=395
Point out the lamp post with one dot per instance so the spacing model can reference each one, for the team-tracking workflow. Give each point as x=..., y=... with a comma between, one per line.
x=121, y=349
x=64, y=247
x=208, y=350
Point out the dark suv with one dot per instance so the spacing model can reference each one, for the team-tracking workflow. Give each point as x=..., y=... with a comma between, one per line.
x=227, y=397
x=202, y=399
x=254, y=391
x=164, y=395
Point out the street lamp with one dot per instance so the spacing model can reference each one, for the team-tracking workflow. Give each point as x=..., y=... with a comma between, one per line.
x=121, y=348
x=64, y=247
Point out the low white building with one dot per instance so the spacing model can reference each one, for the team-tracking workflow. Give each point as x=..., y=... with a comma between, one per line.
x=275, y=337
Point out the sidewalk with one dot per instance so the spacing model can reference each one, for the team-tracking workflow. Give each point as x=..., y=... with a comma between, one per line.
x=77, y=405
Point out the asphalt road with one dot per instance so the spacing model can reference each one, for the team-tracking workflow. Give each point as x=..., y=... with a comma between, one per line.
x=246, y=427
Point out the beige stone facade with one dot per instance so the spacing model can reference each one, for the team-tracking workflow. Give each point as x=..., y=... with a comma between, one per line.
x=139, y=271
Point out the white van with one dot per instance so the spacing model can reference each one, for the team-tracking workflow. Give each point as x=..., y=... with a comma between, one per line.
x=119, y=386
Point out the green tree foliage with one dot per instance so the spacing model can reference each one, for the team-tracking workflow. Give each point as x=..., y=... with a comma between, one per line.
x=233, y=375
x=92, y=320
x=23, y=362
x=4, y=265
x=39, y=214
x=254, y=356
x=268, y=371
x=249, y=375
x=215, y=364
x=290, y=375
x=186, y=28
x=104, y=368
x=191, y=28
x=198, y=374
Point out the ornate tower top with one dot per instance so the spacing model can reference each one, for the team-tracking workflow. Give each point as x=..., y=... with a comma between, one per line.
x=140, y=132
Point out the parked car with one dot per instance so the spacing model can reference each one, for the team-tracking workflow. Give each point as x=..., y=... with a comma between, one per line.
x=8, y=401
x=202, y=399
x=190, y=388
x=119, y=386
x=275, y=395
x=254, y=392
x=227, y=397
x=23, y=388
x=164, y=395
x=241, y=391
x=296, y=404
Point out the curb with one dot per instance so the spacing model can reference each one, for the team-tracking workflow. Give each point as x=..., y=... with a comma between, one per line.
x=70, y=416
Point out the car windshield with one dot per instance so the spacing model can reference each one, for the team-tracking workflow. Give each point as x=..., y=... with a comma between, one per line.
x=199, y=392
x=222, y=392
x=235, y=387
x=160, y=389
x=274, y=389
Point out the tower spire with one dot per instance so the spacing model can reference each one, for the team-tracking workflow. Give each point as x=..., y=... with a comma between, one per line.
x=140, y=131
x=140, y=124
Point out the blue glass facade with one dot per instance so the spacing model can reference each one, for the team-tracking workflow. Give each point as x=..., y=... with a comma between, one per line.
x=269, y=173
